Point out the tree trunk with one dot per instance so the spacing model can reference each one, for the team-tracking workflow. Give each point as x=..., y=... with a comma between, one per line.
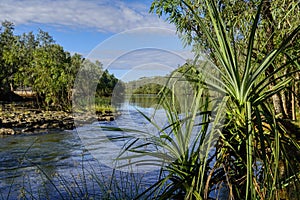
x=297, y=97
x=276, y=98
x=278, y=105
x=286, y=96
x=294, y=116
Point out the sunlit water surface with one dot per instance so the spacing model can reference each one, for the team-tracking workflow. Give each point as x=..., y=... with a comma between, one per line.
x=59, y=164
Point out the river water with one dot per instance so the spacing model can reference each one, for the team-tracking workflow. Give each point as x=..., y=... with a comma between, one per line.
x=68, y=164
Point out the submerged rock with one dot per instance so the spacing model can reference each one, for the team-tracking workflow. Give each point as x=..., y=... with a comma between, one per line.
x=106, y=118
x=27, y=130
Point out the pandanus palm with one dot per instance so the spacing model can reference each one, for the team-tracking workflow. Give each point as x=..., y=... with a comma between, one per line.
x=182, y=145
x=253, y=141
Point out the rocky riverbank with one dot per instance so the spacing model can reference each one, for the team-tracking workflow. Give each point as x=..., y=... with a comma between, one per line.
x=32, y=121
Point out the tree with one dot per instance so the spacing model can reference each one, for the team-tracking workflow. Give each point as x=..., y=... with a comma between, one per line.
x=106, y=84
x=36, y=61
x=85, y=84
x=48, y=76
x=278, y=19
x=29, y=45
x=44, y=38
x=9, y=54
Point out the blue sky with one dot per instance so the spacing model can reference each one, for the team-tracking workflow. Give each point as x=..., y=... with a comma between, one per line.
x=121, y=34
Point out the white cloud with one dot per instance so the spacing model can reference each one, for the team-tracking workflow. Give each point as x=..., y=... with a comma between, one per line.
x=149, y=56
x=142, y=51
x=104, y=16
x=147, y=62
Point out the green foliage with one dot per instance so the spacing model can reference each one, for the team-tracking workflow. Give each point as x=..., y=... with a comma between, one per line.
x=93, y=85
x=48, y=75
x=37, y=62
x=146, y=85
x=151, y=88
x=254, y=144
x=277, y=20
x=237, y=16
x=154, y=85
x=182, y=147
x=106, y=84
x=8, y=54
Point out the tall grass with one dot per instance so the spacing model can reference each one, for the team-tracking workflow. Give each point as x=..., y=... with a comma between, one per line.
x=86, y=181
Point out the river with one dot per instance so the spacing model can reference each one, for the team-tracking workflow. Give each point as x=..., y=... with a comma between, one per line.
x=66, y=164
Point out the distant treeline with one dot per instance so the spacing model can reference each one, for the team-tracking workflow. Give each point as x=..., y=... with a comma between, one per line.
x=35, y=61
x=146, y=85
x=182, y=78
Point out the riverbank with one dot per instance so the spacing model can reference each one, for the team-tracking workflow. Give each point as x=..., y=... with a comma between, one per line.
x=14, y=121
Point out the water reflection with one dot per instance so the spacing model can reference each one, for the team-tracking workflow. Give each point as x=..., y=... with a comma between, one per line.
x=144, y=101
x=35, y=159
x=56, y=164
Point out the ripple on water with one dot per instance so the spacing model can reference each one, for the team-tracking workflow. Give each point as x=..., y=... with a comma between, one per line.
x=26, y=160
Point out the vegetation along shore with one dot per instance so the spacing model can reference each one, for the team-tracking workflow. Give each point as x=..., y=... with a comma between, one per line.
x=37, y=71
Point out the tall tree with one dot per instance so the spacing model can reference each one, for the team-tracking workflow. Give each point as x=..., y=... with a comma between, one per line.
x=29, y=45
x=8, y=55
x=49, y=76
